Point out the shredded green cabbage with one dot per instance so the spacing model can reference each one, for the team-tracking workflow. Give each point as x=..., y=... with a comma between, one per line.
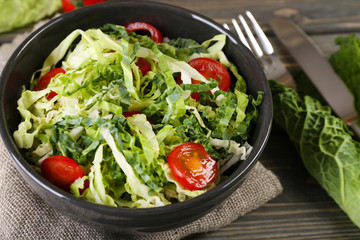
x=126, y=158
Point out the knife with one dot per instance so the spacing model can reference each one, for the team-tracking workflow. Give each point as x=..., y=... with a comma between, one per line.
x=319, y=70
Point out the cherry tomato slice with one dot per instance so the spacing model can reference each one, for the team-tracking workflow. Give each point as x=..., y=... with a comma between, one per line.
x=143, y=65
x=70, y=5
x=155, y=34
x=62, y=171
x=209, y=68
x=192, y=166
x=45, y=80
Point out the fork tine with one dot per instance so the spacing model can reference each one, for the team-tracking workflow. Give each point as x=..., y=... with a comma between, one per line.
x=226, y=26
x=265, y=43
x=254, y=44
x=266, y=56
x=240, y=34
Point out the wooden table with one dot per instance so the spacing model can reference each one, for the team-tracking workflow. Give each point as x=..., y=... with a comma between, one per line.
x=303, y=210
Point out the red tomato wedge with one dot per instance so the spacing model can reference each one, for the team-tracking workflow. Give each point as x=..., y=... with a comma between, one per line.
x=143, y=65
x=45, y=80
x=62, y=172
x=70, y=5
x=209, y=68
x=192, y=166
x=155, y=34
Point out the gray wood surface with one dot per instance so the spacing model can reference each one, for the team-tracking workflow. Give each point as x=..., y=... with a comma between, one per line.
x=304, y=210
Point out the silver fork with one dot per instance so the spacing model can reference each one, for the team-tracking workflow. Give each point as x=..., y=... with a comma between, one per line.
x=272, y=65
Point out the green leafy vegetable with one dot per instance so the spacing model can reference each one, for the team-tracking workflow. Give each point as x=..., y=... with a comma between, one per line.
x=18, y=13
x=325, y=144
x=346, y=63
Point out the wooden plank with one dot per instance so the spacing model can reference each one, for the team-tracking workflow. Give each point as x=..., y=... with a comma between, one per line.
x=303, y=210
x=315, y=16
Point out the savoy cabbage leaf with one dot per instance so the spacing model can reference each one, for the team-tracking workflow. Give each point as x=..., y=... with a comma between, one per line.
x=19, y=13
x=325, y=144
x=346, y=63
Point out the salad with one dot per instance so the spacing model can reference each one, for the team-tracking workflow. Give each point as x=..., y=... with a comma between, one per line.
x=130, y=120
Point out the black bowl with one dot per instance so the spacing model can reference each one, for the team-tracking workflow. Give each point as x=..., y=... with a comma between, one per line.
x=172, y=22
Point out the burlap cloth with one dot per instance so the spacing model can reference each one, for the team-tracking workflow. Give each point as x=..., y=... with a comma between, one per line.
x=23, y=215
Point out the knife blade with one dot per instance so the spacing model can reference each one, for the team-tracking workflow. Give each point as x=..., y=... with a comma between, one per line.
x=311, y=59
